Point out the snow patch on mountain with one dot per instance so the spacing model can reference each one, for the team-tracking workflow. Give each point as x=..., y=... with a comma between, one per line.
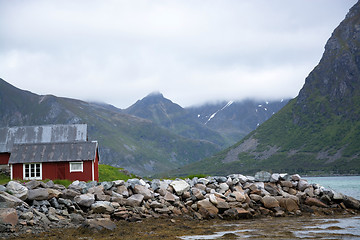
x=214, y=114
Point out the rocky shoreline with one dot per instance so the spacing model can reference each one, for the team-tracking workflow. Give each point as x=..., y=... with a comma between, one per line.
x=35, y=206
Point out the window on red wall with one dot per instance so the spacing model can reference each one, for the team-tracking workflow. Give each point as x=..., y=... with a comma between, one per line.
x=32, y=171
x=76, y=167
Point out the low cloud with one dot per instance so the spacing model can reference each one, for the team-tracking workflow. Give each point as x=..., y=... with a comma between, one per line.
x=191, y=51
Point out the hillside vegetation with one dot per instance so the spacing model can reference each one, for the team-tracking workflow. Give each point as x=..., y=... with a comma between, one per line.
x=318, y=132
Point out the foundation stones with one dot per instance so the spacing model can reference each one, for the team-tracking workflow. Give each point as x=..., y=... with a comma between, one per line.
x=230, y=197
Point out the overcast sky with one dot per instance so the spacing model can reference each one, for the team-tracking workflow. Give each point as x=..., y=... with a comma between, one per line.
x=192, y=51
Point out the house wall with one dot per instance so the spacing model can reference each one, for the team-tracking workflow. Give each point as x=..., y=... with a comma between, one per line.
x=58, y=170
x=96, y=167
x=4, y=158
x=17, y=171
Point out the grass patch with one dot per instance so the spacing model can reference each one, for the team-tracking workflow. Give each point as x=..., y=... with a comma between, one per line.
x=4, y=179
x=109, y=173
x=64, y=182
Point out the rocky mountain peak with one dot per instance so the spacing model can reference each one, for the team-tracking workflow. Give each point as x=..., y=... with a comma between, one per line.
x=333, y=86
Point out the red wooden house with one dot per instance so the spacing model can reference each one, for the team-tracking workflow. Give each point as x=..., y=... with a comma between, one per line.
x=66, y=160
x=49, y=152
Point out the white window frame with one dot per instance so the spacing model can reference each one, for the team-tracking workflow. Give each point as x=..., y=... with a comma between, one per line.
x=37, y=174
x=76, y=163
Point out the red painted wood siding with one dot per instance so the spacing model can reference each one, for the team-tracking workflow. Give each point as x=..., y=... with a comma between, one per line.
x=17, y=170
x=96, y=167
x=61, y=170
x=4, y=158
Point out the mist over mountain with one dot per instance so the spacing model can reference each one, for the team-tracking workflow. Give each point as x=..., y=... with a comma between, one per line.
x=153, y=135
x=222, y=123
x=318, y=132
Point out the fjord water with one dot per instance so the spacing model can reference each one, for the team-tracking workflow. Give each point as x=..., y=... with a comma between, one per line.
x=326, y=227
x=348, y=185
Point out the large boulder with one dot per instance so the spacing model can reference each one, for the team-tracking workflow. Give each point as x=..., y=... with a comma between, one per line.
x=303, y=184
x=17, y=189
x=270, y=202
x=85, y=200
x=10, y=201
x=262, y=176
x=315, y=202
x=180, y=186
x=351, y=202
x=207, y=209
x=135, y=200
x=147, y=193
x=8, y=216
x=169, y=197
x=38, y=194
x=289, y=204
x=102, y=207
x=99, y=224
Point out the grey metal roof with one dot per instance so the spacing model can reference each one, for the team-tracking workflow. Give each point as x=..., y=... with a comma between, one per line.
x=53, y=152
x=41, y=134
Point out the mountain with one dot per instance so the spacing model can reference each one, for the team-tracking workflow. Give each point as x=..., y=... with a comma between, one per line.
x=222, y=123
x=235, y=119
x=134, y=143
x=173, y=117
x=318, y=132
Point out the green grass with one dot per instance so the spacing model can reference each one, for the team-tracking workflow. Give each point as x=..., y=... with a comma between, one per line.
x=109, y=173
x=4, y=179
x=64, y=182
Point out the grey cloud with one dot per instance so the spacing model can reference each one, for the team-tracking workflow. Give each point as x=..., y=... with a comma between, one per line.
x=192, y=51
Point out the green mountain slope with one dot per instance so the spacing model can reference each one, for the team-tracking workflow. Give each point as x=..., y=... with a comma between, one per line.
x=318, y=131
x=222, y=123
x=136, y=144
x=173, y=117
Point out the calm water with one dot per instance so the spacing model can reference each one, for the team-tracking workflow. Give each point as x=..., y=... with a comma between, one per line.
x=297, y=227
x=348, y=185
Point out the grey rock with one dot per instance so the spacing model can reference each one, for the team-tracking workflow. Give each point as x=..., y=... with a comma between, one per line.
x=220, y=179
x=123, y=191
x=139, y=189
x=2, y=188
x=351, y=202
x=10, y=201
x=338, y=196
x=275, y=177
x=303, y=184
x=85, y=200
x=203, y=181
x=27, y=216
x=32, y=184
x=169, y=197
x=262, y=176
x=69, y=193
x=270, y=202
x=50, y=184
x=76, y=218
x=223, y=187
x=118, y=183
x=285, y=177
x=156, y=204
x=8, y=216
x=135, y=200
x=107, y=185
x=38, y=194
x=132, y=182
x=41, y=203
x=99, y=224
x=54, y=203
x=102, y=207
x=295, y=177
x=180, y=186
x=17, y=189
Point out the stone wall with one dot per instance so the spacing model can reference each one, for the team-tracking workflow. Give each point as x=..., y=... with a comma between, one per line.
x=37, y=206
